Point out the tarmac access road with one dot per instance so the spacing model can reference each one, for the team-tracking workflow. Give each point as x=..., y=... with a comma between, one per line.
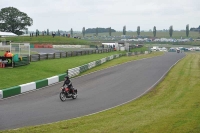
x=97, y=91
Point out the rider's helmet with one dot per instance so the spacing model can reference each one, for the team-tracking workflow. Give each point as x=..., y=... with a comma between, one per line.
x=67, y=77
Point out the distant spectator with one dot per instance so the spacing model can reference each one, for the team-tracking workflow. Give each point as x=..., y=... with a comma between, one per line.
x=5, y=55
x=9, y=54
x=53, y=34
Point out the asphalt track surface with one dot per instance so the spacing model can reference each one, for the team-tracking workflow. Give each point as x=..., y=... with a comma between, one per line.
x=97, y=91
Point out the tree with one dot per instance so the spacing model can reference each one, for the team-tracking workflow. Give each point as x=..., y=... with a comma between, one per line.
x=13, y=20
x=138, y=30
x=83, y=31
x=58, y=32
x=154, y=31
x=187, y=30
x=100, y=30
x=71, y=32
x=97, y=31
x=170, y=31
x=124, y=30
x=26, y=30
x=110, y=31
x=47, y=31
x=36, y=32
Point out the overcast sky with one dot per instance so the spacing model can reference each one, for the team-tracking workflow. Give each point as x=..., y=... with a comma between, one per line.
x=76, y=14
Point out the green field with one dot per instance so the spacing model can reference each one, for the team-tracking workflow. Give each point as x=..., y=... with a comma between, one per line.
x=159, y=34
x=173, y=106
x=72, y=41
x=47, y=40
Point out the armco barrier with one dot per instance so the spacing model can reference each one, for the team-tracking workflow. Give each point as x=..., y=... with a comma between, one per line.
x=39, y=57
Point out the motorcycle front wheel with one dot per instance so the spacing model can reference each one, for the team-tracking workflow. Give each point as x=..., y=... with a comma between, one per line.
x=62, y=96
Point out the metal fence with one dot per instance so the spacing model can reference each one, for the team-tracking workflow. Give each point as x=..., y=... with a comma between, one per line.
x=57, y=55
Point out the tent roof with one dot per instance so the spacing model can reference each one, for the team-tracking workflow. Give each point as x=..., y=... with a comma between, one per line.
x=7, y=34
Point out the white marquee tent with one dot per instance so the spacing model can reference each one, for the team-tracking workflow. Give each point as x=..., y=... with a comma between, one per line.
x=7, y=34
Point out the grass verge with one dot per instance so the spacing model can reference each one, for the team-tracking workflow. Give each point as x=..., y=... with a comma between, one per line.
x=173, y=106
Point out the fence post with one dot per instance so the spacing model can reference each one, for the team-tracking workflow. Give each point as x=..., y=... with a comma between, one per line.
x=39, y=56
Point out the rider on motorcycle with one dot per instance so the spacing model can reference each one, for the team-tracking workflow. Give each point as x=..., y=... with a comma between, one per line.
x=68, y=83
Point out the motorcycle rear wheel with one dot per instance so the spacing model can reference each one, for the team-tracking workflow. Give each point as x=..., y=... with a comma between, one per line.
x=62, y=96
x=74, y=96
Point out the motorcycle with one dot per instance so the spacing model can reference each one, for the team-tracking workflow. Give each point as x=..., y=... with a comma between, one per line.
x=67, y=93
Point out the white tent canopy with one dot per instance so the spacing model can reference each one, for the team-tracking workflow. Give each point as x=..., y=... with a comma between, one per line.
x=4, y=34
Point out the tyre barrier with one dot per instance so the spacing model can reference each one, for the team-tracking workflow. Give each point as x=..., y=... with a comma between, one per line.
x=76, y=71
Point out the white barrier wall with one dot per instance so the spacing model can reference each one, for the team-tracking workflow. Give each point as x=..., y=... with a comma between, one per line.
x=28, y=87
x=1, y=94
x=66, y=46
x=53, y=80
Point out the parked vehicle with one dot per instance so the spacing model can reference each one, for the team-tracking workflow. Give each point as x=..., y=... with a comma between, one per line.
x=67, y=93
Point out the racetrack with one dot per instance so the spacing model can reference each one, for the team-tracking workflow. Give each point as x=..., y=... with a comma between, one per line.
x=96, y=92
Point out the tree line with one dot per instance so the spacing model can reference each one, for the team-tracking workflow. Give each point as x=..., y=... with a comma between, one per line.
x=15, y=21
